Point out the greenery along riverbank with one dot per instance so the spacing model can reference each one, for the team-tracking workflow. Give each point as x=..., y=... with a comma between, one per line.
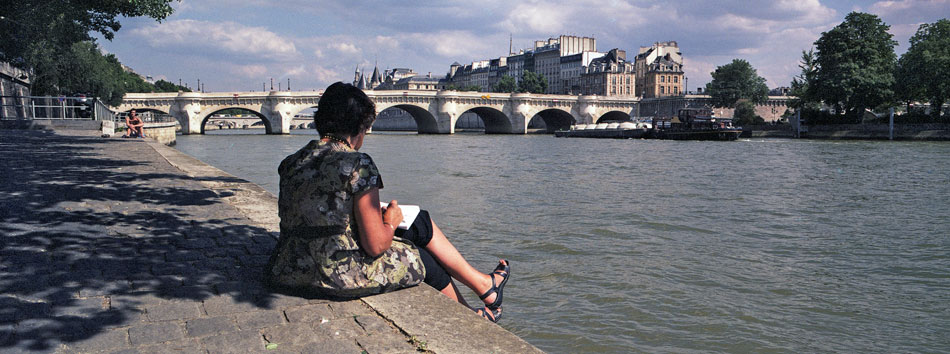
x=53, y=39
x=852, y=68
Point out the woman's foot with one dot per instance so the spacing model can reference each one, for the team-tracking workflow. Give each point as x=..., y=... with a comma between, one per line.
x=488, y=314
x=499, y=277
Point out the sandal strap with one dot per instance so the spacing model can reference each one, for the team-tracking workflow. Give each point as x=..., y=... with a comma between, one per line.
x=490, y=290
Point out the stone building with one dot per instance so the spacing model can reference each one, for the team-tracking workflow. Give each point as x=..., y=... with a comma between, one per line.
x=609, y=75
x=545, y=58
x=374, y=81
x=664, y=77
x=418, y=82
x=548, y=54
x=659, y=70
x=547, y=62
x=573, y=67
x=519, y=63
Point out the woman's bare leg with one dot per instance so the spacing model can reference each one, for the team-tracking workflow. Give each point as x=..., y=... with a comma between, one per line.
x=452, y=292
x=457, y=266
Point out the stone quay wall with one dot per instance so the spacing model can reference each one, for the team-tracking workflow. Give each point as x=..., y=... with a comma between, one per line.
x=852, y=131
x=163, y=132
x=879, y=131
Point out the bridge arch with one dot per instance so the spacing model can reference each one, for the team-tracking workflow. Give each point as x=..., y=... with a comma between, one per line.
x=614, y=116
x=206, y=114
x=495, y=121
x=554, y=119
x=425, y=121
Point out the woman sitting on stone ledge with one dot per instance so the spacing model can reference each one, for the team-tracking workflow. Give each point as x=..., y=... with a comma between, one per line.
x=337, y=241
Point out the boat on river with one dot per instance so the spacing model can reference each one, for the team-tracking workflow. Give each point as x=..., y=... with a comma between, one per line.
x=613, y=130
x=695, y=124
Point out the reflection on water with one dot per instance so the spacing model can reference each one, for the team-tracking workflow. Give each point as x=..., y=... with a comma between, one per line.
x=658, y=246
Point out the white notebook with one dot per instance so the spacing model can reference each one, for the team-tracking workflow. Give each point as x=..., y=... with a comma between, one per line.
x=409, y=213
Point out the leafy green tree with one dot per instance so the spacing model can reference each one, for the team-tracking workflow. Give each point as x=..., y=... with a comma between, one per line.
x=803, y=85
x=532, y=82
x=735, y=81
x=856, y=64
x=89, y=72
x=745, y=114
x=84, y=70
x=923, y=72
x=505, y=84
x=38, y=33
x=165, y=86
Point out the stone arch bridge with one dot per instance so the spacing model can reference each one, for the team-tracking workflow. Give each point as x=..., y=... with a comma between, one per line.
x=435, y=112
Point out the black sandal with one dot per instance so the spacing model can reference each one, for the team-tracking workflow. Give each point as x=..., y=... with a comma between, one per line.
x=503, y=269
x=489, y=314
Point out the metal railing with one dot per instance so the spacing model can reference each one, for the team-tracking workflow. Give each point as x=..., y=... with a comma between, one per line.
x=53, y=108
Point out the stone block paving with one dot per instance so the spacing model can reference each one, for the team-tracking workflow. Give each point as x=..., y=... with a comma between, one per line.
x=106, y=248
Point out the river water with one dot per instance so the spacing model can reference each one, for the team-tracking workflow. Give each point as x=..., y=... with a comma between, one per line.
x=677, y=246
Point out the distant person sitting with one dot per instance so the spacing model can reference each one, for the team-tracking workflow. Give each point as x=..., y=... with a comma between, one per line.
x=334, y=237
x=135, y=126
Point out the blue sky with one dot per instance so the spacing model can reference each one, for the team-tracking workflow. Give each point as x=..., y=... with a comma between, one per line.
x=236, y=45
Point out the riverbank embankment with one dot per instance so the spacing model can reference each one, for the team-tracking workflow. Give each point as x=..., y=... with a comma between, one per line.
x=113, y=244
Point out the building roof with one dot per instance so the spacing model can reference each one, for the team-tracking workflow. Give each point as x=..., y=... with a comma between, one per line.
x=376, y=78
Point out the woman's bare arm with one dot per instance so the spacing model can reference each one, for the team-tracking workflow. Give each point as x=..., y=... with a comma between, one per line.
x=376, y=228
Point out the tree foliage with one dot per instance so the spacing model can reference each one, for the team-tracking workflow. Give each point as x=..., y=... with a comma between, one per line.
x=533, y=82
x=735, y=81
x=745, y=114
x=85, y=70
x=165, y=86
x=506, y=84
x=41, y=35
x=856, y=63
x=803, y=87
x=923, y=72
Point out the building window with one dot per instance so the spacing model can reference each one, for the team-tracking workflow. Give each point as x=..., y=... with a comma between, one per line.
x=676, y=79
x=662, y=78
x=676, y=90
x=662, y=89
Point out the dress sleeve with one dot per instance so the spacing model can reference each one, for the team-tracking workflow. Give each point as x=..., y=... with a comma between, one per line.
x=365, y=175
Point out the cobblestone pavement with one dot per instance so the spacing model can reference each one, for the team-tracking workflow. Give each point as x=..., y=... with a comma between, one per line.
x=105, y=247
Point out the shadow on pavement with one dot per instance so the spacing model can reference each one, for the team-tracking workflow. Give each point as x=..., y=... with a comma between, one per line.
x=90, y=238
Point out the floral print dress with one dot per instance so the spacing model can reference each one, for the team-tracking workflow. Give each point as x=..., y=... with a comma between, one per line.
x=318, y=249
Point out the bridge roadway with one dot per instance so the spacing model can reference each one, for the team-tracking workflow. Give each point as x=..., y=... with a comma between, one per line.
x=435, y=112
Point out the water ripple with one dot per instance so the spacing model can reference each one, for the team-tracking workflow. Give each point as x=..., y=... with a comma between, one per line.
x=767, y=246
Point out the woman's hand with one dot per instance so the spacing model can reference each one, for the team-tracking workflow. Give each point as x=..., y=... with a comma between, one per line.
x=392, y=216
x=375, y=236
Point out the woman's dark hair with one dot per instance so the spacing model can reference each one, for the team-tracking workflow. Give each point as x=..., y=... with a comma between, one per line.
x=344, y=110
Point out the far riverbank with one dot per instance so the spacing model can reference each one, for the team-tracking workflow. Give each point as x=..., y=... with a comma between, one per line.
x=929, y=132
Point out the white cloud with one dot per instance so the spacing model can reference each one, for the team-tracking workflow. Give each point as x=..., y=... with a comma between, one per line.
x=455, y=44
x=228, y=36
x=888, y=7
x=535, y=18
x=809, y=11
x=249, y=71
x=344, y=48
x=905, y=11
